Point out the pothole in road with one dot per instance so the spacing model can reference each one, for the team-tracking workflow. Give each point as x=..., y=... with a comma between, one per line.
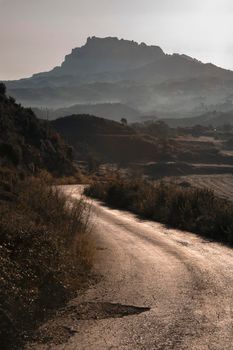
x=184, y=243
x=100, y=248
x=102, y=310
x=64, y=325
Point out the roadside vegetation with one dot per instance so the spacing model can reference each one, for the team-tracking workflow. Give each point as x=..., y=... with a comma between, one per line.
x=45, y=246
x=191, y=209
x=46, y=253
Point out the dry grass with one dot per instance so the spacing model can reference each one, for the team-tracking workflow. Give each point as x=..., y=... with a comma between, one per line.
x=45, y=250
x=78, y=178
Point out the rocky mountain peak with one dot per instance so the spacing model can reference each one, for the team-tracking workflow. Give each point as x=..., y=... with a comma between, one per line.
x=100, y=55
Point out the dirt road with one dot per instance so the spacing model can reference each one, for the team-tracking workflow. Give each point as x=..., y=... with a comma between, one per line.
x=160, y=289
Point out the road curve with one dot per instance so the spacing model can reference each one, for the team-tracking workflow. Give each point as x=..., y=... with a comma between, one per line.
x=185, y=281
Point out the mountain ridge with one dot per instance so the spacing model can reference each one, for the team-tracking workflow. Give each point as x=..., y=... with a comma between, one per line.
x=94, y=44
x=112, y=70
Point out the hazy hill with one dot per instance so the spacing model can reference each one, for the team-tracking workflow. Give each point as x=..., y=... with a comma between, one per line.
x=29, y=144
x=143, y=77
x=107, y=140
x=215, y=119
x=113, y=111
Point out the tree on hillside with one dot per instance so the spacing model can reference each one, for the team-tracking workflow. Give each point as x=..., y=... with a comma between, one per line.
x=124, y=121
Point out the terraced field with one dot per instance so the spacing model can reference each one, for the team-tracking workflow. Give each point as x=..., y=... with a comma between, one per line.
x=222, y=185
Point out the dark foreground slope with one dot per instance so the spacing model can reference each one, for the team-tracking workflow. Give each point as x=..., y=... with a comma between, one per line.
x=44, y=245
x=45, y=252
x=28, y=144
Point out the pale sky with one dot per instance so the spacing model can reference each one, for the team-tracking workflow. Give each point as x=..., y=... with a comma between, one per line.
x=35, y=35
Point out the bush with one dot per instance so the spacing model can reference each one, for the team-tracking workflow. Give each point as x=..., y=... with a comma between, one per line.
x=191, y=209
x=44, y=248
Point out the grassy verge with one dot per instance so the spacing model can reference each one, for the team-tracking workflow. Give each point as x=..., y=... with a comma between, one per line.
x=191, y=209
x=45, y=250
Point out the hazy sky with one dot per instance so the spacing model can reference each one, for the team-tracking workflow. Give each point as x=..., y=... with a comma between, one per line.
x=35, y=35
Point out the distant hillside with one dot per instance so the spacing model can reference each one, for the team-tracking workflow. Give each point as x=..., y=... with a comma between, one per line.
x=109, y=70
x=215, y=119
x=28, y=144
x=106, y=140
x=113, y=111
